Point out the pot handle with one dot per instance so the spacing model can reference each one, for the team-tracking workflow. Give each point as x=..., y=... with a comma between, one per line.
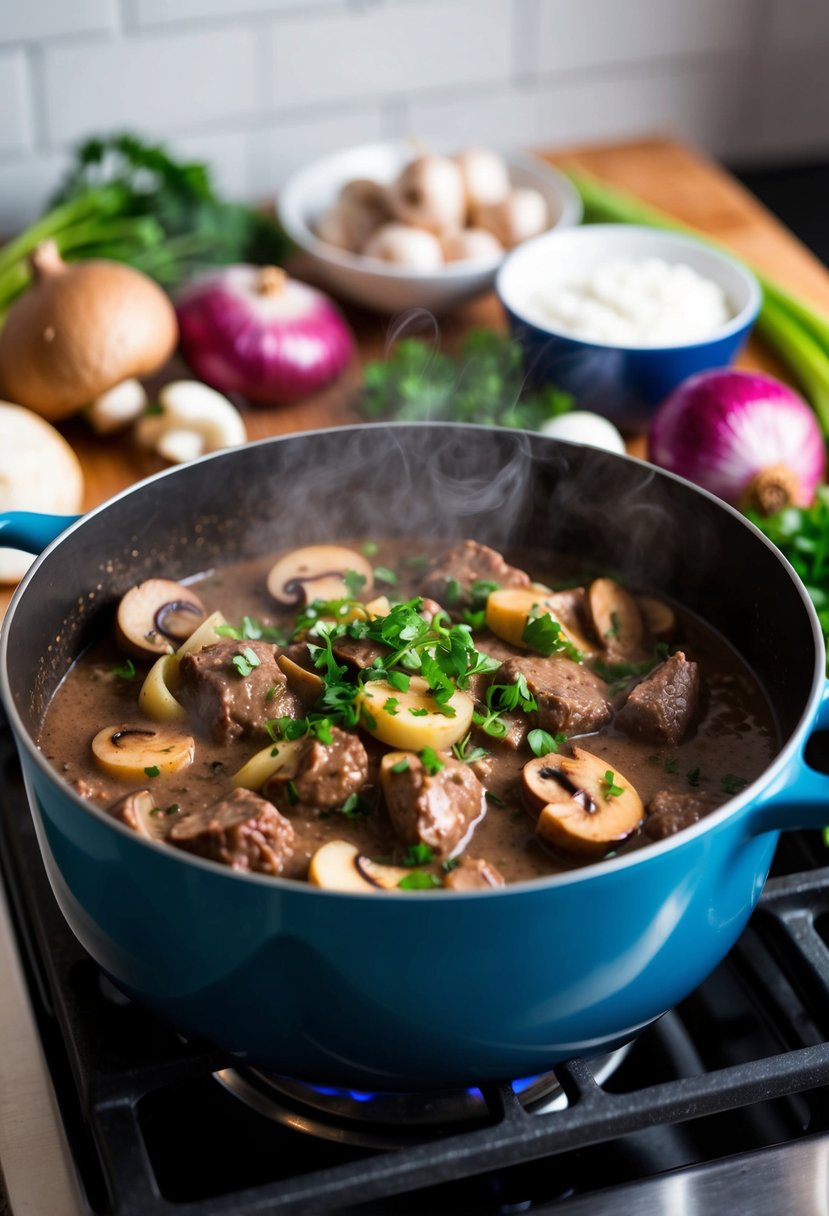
x=30, y=530
x=800, y=797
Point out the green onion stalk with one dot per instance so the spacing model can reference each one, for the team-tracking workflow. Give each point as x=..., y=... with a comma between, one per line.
x=797, y=332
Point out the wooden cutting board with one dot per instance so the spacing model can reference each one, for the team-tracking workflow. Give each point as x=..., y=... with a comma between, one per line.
x=662, y=172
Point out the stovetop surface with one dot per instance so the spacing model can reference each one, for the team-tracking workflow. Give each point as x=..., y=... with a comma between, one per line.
x=740, y=1066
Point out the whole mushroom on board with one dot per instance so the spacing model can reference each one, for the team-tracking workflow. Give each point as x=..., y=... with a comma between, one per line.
x=80, y=330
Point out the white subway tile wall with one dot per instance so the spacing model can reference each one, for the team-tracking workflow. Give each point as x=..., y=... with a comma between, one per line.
x=258, y=87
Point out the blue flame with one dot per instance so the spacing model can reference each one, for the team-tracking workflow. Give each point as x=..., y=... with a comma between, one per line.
x=368, y=1095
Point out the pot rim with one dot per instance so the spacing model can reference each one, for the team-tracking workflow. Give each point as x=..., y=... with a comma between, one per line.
x=732, y=808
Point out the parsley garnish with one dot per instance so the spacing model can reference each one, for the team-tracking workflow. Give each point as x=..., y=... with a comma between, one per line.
x=291, y=790
x=494, y=799
x=246, y=661
x=613, y=631
x=450, y=864
x=370, y=548
x=152, y=770
x=452, y=590
x=419, y=854
x=543, y=635
x=252, y=630
x=431, y=761
x=611, y=790
x=731, y=784
x=419, y=880
x=692, y=776
x=354, y=582
x=542, y=742
x=503, y=698
x=384, y=575
x=126, y=671
x=418, y=713
x=461, y=750
x=402, y=766
x=354, y=807
x=390, y=706
x=671, y=764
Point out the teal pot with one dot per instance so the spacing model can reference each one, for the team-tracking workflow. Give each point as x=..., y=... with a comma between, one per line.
x=415, y=989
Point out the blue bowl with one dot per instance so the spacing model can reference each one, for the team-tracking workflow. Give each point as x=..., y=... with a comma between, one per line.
x=625, y=383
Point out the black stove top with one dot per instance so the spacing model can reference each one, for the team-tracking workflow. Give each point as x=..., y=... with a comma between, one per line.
x=156, y=1124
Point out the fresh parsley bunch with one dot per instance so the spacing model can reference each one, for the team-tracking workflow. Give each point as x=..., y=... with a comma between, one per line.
x=484, y=384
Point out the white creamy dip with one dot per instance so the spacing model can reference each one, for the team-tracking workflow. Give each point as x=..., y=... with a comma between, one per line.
x=627, y=303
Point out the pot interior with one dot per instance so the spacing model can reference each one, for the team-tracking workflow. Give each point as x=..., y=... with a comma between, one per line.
x=509, y=489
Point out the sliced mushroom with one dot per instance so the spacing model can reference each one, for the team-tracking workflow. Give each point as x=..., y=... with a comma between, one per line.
x=134, y=751
x=307, y=686
x=269, y=760
x=590, y=807
x=339, y=866
x=413, y=719
x=207, y=634
x=135, y=810
x=316, y=573
x=617, y=620
x=156, y=617
x=473, y=874
x=659, y=616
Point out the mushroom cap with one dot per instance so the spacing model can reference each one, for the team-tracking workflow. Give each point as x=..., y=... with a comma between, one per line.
x=79, y=330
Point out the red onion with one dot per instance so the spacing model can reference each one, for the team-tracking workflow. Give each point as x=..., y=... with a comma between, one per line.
x=254, y=331
x=742, y=435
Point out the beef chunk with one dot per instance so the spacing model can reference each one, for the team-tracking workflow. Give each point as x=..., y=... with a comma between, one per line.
x=473, y=874
x=570, y=697
x=358, y=652
x=133, y=810
x=229, y=704
x=450, y=579
x=669, y=812
x=241, y=830
x=323, y=777
x=662, y=708
x=437, y=810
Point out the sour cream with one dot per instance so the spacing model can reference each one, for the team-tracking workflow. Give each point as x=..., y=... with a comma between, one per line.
x=646, y=303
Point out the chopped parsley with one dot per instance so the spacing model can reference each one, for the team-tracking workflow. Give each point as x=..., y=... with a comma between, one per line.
x=291, y=791
x=384, y=575
x=452, y=590
x=126, y=671
x=494, y=799
x=354, y=807
x=462, y=750
x=246, y=661
x=172, y=809
x=419, y=854
x=152, y=770
x=418, y=713
x=252, y=630
x=390, y=706
x=504, y=698
x=402, y=766
x=450, y=864
x=431, y=761
x=609, y=786
x=370, y=548
x=544, y=635
x=731, y=784
x=613, y=631
x=354, y=583
x=671, y=764
x=542, y=742
x=419, y=880
x=692, y=776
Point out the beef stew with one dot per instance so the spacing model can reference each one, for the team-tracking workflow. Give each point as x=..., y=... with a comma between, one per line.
x=404, y=716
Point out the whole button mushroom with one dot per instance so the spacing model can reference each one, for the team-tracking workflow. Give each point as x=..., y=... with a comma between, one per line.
x=430, y=194
x=516, y=218
x=405, y=245
x=485, y=176
x=81, y=329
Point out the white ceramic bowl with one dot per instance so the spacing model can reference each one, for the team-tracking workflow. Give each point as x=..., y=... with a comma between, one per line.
x=378, y=285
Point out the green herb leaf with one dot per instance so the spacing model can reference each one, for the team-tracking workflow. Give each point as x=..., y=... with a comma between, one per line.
x=463, y=750
x=731, y=784
x=384, y=575
x=354, y=807
x=152, y=770
x=370, y=548
x=419, y=880
x=402, y=766
x=390, y=706
x=542, y=743
x=450, y=864
x=692, y=776
x=544, y=635
x=126, y=671
x=611, y=790
x=671, y=764
x=418, y=713
x=431, y=761
x=418, y=855
x=354, y=582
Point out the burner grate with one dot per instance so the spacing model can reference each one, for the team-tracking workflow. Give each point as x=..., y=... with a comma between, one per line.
x=153, y=1132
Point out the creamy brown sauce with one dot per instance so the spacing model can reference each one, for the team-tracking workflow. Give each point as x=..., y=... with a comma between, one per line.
x=734, y=738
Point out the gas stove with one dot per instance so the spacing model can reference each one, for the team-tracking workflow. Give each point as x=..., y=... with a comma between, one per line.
x=722, y=1105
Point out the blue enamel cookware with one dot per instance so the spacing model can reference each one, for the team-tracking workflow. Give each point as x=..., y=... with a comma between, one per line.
x=413, y=989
